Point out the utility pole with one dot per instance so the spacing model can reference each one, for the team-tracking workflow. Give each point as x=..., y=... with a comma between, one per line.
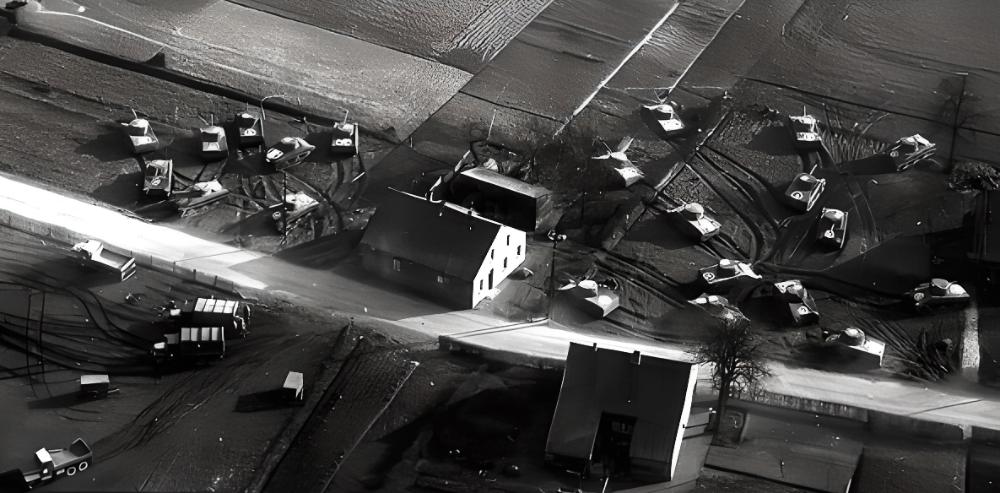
x=954, y=124
x=555, y=238
x=284, y=206
x=27, y=347
x=41, y=320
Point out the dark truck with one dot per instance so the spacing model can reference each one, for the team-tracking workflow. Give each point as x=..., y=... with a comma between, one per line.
x=200, y=331
x=54, y=463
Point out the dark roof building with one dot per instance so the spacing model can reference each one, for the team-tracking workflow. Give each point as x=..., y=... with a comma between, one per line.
x=504, y=199
x=443, y=250
x=622, y=411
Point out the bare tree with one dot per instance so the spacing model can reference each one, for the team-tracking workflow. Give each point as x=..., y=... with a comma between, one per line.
x=736, y=354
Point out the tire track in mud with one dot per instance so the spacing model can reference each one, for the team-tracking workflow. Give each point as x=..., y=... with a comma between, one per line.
x=662, y=204
x=88, y=302
x=753, y=183
x=198, y=386
x=834, y=284
x=869, y=226
x=905, y=348
x=644, y=276
x=619, y=319
x=106, y=347
x=824, y=159
x=757, y=238
x=91, y=338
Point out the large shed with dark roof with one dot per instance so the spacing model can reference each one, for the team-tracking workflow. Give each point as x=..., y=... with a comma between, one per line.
x=505, y=199
x=621, y=411
x=442, y=250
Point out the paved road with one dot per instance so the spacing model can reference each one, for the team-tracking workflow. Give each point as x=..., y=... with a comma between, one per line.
x=342, y=290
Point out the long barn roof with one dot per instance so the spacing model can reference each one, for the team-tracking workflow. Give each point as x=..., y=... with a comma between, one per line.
x=442, y=236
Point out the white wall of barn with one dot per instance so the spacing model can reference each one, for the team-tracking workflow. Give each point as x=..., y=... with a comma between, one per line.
x=506, y=254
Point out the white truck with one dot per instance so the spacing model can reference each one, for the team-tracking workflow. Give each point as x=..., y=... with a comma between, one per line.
x=54, y=463
x=93, y=253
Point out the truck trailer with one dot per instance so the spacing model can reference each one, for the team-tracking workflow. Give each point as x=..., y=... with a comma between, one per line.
x=199, y=330
x=54, y=463
x=192, y=343
x=93, y=253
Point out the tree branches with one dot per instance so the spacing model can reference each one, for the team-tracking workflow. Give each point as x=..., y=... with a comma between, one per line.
x=736, y=354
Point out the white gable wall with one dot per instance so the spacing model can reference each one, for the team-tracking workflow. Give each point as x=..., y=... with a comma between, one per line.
x=513, y=251
x=685, y=416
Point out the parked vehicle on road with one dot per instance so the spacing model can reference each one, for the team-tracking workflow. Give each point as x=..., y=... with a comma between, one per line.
x=909, y=151
x=93, y=253
x=938, y=292
x=249, y=129
x=141, y=136
x=804, y=191
x=213, y=143
x=288, y=151
x=831, y=229
x=693, y=221
x=158, y=180
x=55, y=463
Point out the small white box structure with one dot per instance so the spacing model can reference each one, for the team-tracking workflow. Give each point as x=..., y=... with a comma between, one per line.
x=293, y=386
x=94, y=380
x=95, y=385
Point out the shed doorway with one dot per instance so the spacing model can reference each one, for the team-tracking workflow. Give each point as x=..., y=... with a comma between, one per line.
x=612, y=446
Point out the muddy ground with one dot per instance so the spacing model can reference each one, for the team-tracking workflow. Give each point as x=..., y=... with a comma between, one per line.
x=904, y=228
x=176, y=430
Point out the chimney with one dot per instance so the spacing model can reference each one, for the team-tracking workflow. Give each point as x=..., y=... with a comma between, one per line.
x=636, y=358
